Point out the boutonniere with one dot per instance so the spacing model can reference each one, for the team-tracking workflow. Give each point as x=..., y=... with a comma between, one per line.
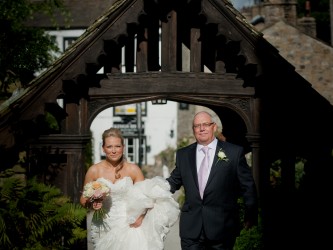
x=221, y=156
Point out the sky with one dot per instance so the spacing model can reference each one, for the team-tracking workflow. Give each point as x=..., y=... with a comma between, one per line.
x=238, y=4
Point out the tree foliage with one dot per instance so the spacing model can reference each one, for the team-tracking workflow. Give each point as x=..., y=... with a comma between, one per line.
x=24, y=50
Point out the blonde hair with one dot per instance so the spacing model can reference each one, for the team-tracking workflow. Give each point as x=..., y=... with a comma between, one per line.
x=115, y=132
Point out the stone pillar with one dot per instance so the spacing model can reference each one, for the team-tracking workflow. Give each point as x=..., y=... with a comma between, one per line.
x=254, y=140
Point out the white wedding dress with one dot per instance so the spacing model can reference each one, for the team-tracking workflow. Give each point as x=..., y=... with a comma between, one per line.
x=126, y=203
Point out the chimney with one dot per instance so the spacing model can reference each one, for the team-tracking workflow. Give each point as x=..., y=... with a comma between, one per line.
x=277, y=10
x=307, y=24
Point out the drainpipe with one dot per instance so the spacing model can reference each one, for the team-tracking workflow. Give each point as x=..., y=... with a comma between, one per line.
x=331, y=18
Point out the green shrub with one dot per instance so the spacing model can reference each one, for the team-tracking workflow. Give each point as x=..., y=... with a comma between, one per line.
x=36, y=216
x=250, y=239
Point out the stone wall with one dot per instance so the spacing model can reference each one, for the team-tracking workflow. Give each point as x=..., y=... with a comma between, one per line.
x=296, y=41
x=313, y=59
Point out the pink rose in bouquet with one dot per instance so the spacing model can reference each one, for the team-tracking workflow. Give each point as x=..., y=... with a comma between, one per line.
x=96, y=191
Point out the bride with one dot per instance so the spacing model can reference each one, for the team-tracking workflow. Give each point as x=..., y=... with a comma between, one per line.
x=138, y=213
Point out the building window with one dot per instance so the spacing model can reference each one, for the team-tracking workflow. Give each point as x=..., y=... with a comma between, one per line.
x=68, y=41
x=133, y=152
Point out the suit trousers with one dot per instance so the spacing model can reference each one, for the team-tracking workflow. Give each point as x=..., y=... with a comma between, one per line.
x=202, y=243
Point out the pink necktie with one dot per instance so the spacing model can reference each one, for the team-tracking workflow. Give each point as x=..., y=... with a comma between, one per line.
x=203, y=171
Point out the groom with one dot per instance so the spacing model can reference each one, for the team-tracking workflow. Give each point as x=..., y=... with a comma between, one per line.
x=210, y=217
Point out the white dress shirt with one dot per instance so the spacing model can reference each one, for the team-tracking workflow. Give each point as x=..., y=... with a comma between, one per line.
x=200, y=154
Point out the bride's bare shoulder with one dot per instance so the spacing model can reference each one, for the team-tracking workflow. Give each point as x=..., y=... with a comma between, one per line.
x=134, y=171
x=97, y=168
x=131, y=166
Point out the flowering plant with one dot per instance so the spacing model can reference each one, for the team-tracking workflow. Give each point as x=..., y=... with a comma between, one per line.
x=221, y=156
x=96, y=191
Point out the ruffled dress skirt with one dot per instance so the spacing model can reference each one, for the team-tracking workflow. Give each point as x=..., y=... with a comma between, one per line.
x=125, y=204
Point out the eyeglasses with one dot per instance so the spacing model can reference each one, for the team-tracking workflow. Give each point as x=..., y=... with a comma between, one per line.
x=203, y=125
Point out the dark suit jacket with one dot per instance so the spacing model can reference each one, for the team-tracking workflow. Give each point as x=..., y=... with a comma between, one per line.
x=218, y=211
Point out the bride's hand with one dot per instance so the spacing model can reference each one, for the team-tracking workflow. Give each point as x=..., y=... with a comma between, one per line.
x=96, y=205
x=138, y=221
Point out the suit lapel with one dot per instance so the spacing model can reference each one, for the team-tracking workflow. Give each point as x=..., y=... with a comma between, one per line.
x=193, y=163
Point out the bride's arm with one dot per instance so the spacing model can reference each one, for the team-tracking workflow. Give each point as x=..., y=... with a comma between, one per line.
x=90, y=176
x=139, y=220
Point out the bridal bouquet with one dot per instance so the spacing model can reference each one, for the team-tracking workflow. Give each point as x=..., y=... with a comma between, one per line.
x=96, y=191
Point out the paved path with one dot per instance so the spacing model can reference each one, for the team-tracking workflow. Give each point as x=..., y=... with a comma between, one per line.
x=172, y=241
